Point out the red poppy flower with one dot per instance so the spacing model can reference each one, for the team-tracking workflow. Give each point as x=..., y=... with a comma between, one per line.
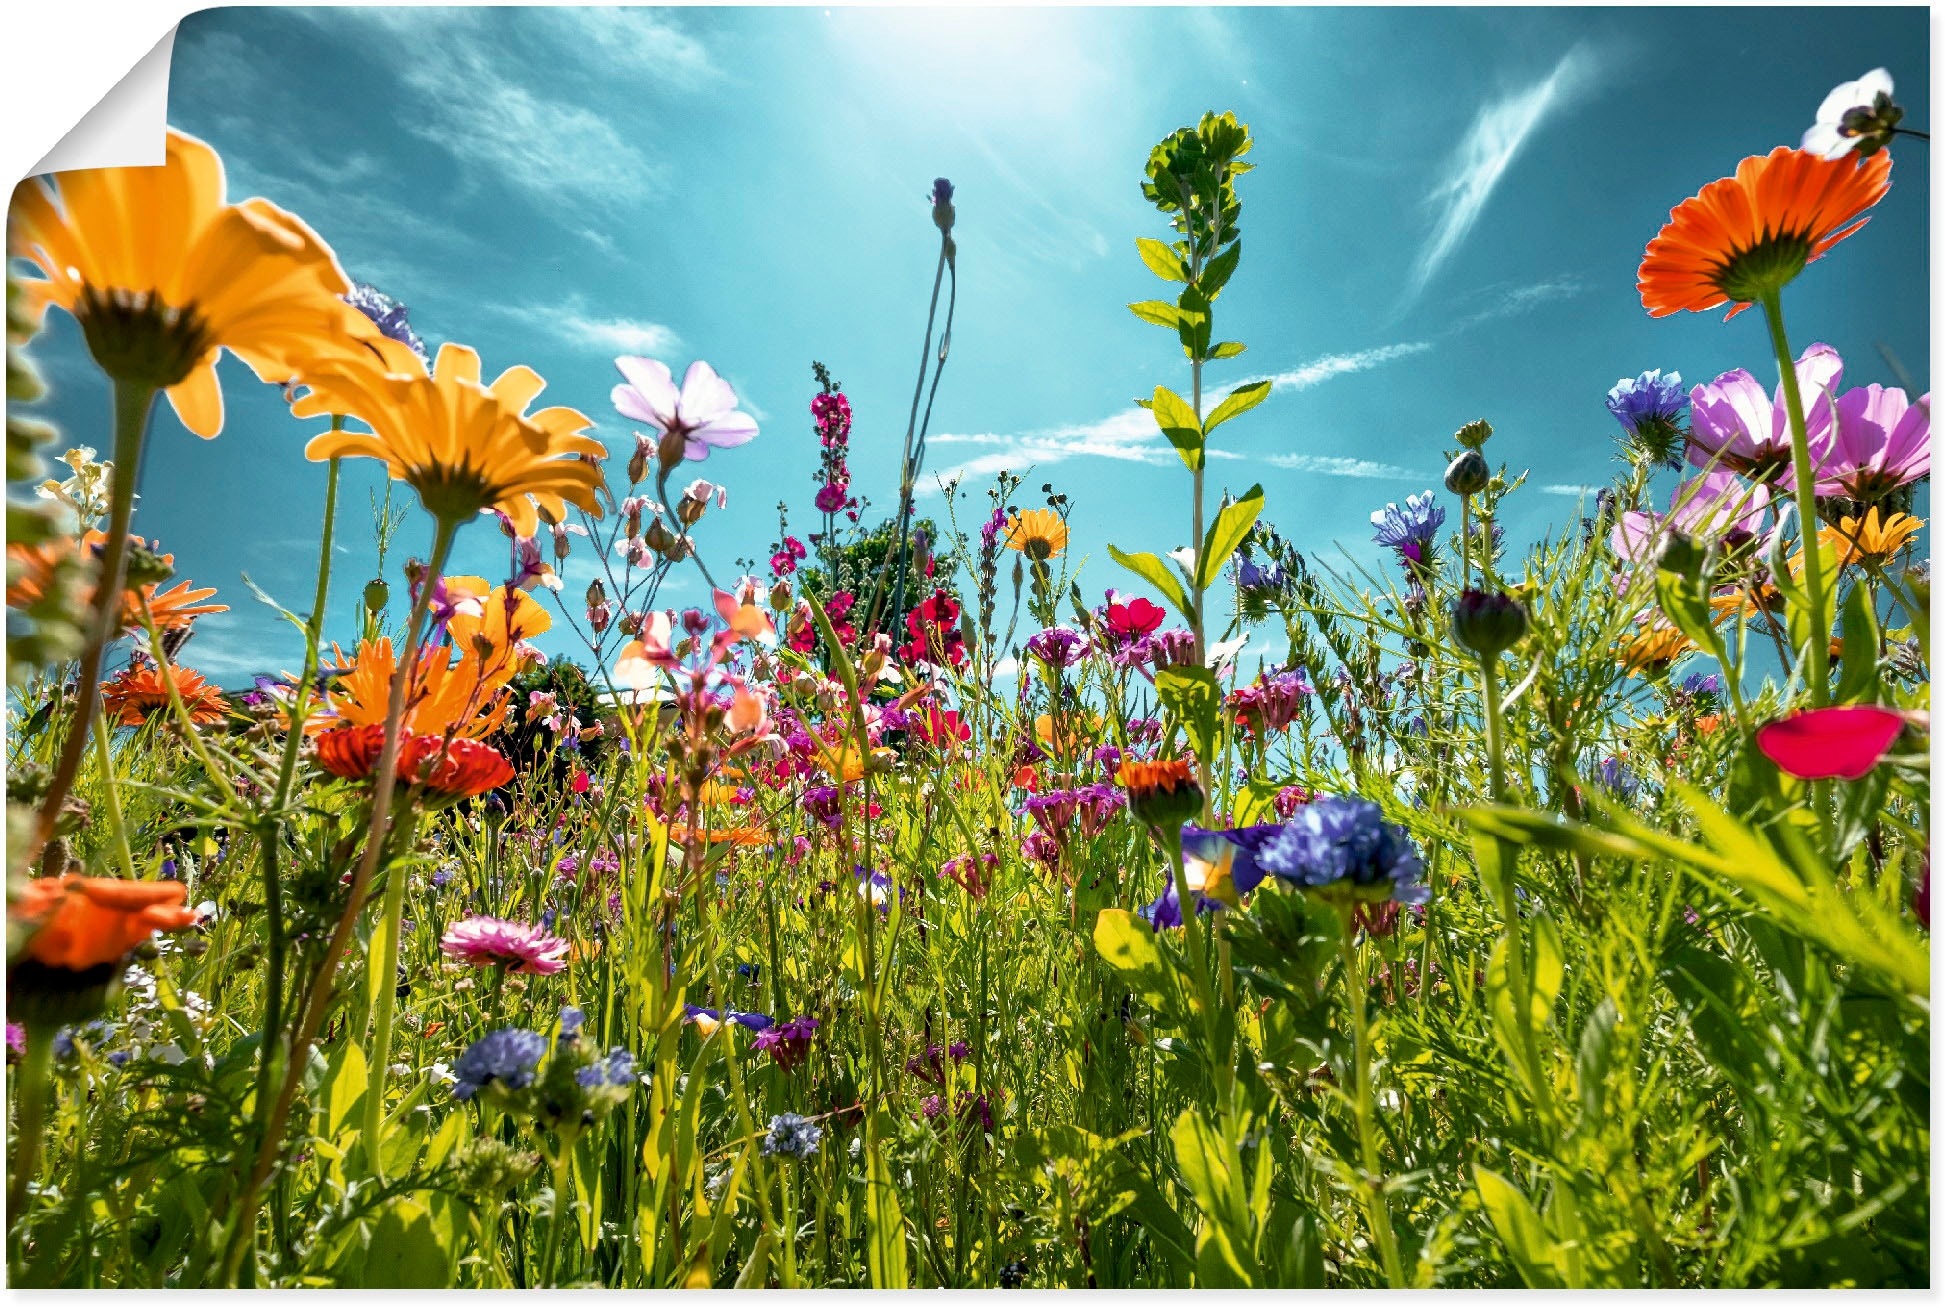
x=1846, y=741
x=461, y=767
x=1134, y=618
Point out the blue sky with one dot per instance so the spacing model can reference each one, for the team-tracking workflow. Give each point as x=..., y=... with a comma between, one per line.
x=1445, y=220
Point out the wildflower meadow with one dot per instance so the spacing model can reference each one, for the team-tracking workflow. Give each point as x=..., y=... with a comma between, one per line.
x=919, y=911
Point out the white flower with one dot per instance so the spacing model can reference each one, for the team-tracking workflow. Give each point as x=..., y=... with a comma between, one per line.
x=1827, y=136
x=703, y=412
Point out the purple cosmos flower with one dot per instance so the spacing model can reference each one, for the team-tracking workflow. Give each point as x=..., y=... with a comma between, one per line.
x=1058, y=647
x=1410, y=530
x=1651, y=408
x=1338, y=840
x=702, y=414
x=509, y=1056
x=788, y=1042
x=1040, y=847
x=1716, y=505
x=1736, y=424
x=1273, y=703
x=1880, y=441
x=387, y=314
x=495, y=942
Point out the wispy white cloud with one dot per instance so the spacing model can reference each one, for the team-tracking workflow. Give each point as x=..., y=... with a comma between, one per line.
x=1488, y=148
x=1511, y=301
x=1335, y=466
x=1572, y=490
x=575, y=324
x=1336, y=365
x=1131, y=436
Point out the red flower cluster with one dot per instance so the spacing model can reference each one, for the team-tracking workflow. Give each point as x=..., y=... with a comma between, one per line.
x=451, y=769
x=934, y=626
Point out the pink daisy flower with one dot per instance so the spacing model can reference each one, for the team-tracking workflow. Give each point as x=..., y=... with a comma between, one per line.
x=496, y=942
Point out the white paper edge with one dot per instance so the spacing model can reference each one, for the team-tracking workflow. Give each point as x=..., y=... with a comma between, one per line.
x=128, y=127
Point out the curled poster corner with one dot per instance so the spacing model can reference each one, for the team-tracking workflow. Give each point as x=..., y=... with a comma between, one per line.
x=128, y=127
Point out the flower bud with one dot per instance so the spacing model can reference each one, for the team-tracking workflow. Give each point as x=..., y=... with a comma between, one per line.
x=690, y=510
x=597, y=593
x=1488, y=624
x=1475, y=433
x=1467, y=474
x=1682, y=555
x=658, y=537
x=377, y=595
x=668, y=451
x=779, y=597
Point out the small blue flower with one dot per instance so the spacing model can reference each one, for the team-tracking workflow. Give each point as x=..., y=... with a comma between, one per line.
x=1338, y=839
x=1265, y=580
x=1410, y=530
x=387, y=314
x=510, y=1056
x=1702, y=685
x=572, y=1020
x=1618, y=781
x=793, y=1135
x=1651, y=408
x=618, y=1069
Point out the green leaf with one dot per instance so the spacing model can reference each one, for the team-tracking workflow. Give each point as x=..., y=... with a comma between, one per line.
x=1546, y=970
x=1857, y=681
x=1685, y=600
x=405, y=1252
x=1209, y=1167
x=1225, y=534
x=1192, y=322
x=1194, y=696
x=344, y=1087
x=1241, y=400
x=1127, y=944
x=1227, y=350
x=1159, y=312
x=1216, y=274
x=1152, y=569
x=1161, y=260
x=1595, y=1056
x=1177, y=421
x=884, y=1220
x=1520, y=1230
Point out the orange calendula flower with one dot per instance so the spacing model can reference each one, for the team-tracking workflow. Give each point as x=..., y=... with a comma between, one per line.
x=1872, y=539
x=454, y=768
x=1649, y=653
x=1038, y=533
x=1747, y=236
x=175, y=607
x=1160, y=790
x=86, y=922
x=1749, y=600
x=470, y=692
x=138, y=694
x=462, y=445
x=163, y=274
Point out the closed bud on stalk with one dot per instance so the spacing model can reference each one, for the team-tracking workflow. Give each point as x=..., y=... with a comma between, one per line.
x=638, y=462
x=1682, y=555
x=881, y=760
x=668, y=451
x=1467, y=474
x=690, y=510
x=482, y=645
x=1475, y=433
x=145, y=567
x=377, y=595
x=779, y=596
x=1488, y=623
x=597, y=593
x=658, y=537
x=680, y=548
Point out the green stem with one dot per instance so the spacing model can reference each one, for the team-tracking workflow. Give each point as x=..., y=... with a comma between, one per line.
x=1806, y=503
x=132, y=405
x=30, y=1111
x=116, y=827
x=1377, y=1205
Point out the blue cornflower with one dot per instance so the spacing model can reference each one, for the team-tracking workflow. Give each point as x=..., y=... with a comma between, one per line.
x=1410, y=530
x=1618, y=781
x=1165, y=913
x=618, y=1069
x=792, y=1135
x=1338, y=840
x=1702, y=685
x=510, y=1056
x=387, y=314
x=572, y=1020
x=1651, y=408
x=1264, y=580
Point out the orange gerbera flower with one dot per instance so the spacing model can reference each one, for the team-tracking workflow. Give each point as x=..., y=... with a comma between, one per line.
x=453, y=769
x=723, y=836
x=504, y=617
x=86, y=922
x=163, y=274
x=138, y=694
x=177, y=606
x=1746, y=236
x=1038, y=533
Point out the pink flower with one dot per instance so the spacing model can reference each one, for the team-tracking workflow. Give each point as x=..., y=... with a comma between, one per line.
x=830, y=498
x=1846, y=741
x=1733, y=416
x=496, y=942
x=703, y=413
x=1881, y=441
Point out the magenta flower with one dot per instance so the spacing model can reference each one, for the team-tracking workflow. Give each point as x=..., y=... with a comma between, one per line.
x=496, y=942
x=1058, y=647
x=1736, y=424
x=1844, y=741
x=1716, y=505
x=1880, y=441
x=703, y=413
